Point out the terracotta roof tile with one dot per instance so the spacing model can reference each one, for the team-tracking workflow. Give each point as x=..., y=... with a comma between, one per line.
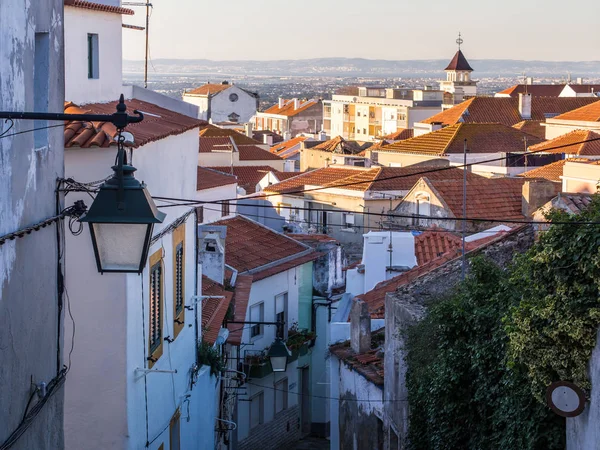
x=288, y=148
x=238, y=138
x=481, y=138
x=266, y=273
x=254, y=153
x=400, y=135
x=536, y=90
x=533, y=127
x=340, y=145
x=241, y=297
x=209, y=89
x=97, y=6
x=369, y=364
x=248, y=176
x=432, y=244
x=250, y=246
x=214, y=310
x=101, y=134
x=505, y=110
x=572, y=143
x=317, y=177
x=459, y=62
x=209, y=178
x=288, y=107
x=500, y=198
x=588, y=113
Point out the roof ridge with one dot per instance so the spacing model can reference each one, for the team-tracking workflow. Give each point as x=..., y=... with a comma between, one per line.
x=451, y=140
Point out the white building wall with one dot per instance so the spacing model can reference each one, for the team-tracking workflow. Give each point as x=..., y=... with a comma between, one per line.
x=201, y=102
x=221, y=105
x=219, y=159
x=110, y=339
x=376, y=257
x=213, y=211
x=557, y=127
x=108, y=86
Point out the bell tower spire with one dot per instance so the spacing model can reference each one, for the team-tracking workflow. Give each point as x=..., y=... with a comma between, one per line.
x=458, y=81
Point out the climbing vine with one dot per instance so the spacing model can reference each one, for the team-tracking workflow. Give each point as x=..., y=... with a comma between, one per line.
x=480, y=361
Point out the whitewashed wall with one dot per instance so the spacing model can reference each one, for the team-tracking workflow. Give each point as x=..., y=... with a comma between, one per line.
x=79, y=88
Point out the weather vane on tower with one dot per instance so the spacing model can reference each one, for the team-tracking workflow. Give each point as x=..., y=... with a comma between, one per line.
x=459, y=40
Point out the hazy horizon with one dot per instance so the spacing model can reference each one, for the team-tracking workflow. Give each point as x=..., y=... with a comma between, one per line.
x=271, y=30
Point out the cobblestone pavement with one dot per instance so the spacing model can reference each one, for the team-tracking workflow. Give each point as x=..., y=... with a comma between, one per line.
x=310, y=443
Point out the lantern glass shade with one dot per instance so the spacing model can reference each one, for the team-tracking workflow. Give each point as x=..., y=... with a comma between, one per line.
x=121, y=247
x=121, y=220
x=278, y=354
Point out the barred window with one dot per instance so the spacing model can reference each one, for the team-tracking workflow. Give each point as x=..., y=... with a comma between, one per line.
x=155, y=310
x=224, y=209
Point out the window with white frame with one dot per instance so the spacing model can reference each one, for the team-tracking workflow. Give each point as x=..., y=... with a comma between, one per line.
x=281, y=301
x=257, y=314
x=257, y=409
x=281, y=395
x=348, y=220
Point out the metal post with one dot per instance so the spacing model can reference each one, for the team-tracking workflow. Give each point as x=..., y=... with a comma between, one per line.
x=464, y=221
x=147, y=47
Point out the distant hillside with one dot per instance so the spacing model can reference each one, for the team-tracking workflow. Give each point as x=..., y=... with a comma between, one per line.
x=352, y=67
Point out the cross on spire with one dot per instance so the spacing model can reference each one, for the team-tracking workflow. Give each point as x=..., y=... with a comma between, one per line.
x=459, y=41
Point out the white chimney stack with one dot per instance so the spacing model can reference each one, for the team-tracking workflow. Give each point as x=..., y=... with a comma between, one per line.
x=248, y=128
x=529, y=80
x=281, y=102
x=525, y=106
x=296, y=103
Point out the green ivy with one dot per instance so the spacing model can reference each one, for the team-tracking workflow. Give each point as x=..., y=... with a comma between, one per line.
x=480, y=361
x=209, y=356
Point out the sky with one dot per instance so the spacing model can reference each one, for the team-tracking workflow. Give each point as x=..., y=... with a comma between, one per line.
x=551, y=30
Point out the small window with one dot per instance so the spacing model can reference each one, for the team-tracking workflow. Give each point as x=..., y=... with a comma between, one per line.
x=178, y=279
x=200, y=214
x=155, y=343
x=257, y=410
x=175, y=432
x=364, y=131
x=348, y=220
x=233, y=97
x=233, y=117
x=224, y=209
x=257, y=314
x=93, y=56
x=281, y=395
x=281, y=314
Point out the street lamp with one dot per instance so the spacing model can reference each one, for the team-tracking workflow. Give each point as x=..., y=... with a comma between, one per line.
x=278, y=353
x=122, y=216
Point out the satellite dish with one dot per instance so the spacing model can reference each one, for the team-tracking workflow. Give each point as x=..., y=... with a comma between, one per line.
x=565, y=399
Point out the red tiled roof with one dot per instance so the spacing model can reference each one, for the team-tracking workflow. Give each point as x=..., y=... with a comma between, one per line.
x=375, y=298
x=238, y=138
x=459, y=62
x=266, y=273
x=317, y=177
x=395, y=178
x=339, y=144
x=249, y=245
x=214, y=310
x=572, y=143
x=290, y=148
x=210, y=144
x=282, y=176
x=400, y=135
x=288, y=107
x=588, y=113
x=209, y=89
x=505, y=110
x=499, y=198
x=209, y=178
x=241, y=297
x=311, y=239
x=369, y=364
x=99, y=7
x=254, y=153
x=101, y=134
x=536, y=90
x=481, y=138
x=432, y=244
x=248, y=176
x=533, y=127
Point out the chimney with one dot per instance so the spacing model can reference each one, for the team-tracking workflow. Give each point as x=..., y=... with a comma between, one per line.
x=529, y=80
x=436, y=126
x=579, y=80
x=281, y=102
x=296, y=103
x=322, y=136
x=287, y=135
x=525, y=106
x=248, y=128
x=360, y=327
x=537, y=193
x=267, y=139
x=212, y=251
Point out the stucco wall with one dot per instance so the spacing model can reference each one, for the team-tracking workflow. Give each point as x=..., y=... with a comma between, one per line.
x=28, y=266
x=108, y=86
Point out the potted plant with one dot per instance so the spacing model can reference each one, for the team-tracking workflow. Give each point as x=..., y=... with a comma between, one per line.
x=256, y=364
x=298, y=339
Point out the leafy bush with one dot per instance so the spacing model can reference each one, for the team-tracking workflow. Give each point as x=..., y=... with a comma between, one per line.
x=209, y=356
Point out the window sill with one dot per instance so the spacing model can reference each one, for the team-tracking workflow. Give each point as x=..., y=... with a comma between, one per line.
x=348, y=230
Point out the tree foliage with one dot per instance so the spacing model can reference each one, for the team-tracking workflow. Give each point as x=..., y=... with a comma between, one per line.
x=480, y=362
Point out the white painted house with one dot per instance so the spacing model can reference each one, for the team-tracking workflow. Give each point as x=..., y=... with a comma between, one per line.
x=277, y=271
x=224, y=102
x=135, y=381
